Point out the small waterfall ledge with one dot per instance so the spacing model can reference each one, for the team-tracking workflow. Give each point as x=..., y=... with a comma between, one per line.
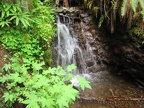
x=69, y=49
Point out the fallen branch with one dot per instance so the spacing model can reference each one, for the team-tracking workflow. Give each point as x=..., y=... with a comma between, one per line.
x=115, y=103
x=111, y=99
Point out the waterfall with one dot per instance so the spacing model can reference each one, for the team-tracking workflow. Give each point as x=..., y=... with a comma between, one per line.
x=68, y=48
x=69, y=51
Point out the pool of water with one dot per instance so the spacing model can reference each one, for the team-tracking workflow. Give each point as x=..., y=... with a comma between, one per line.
x=110, y=91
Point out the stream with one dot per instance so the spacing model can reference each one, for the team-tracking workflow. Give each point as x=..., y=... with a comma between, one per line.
x=80, y=43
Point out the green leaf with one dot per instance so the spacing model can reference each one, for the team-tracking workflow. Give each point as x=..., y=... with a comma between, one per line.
x=71, y=67
x=17, y=21
x=51, y=70
x=37, y=66
x=62, y=102
x=69, y=77
x=14, y=76
x=83, y=83
x=41, y=81
x=5, y=78
x=60, y=71
x=55, y=89
x=124, y=7
x=11, y=85
x=7, y=67
x=134, y=4
x=56, y=79
x=25, y=22
x=43, y=102
x=46, y=102
x=8, y=97
x=69, y=92
x=101, y=20
x=3, y=14
x=7, y=13
x=13, y=17
x=33, y=104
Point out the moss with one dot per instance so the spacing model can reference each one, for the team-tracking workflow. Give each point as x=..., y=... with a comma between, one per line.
x=48, y=57
x=137, y=34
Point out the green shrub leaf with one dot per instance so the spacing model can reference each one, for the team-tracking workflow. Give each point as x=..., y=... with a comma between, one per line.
x=83, y=83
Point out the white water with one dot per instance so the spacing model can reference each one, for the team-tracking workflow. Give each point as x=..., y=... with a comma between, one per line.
x=69, y=51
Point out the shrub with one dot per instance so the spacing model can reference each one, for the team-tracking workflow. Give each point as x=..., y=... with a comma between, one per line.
x=38, y=87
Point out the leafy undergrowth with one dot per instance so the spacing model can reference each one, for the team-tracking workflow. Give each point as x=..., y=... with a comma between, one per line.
x=29, y=77
x=39, y=87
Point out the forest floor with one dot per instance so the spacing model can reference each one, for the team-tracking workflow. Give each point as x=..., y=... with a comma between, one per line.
x=2, y=53
x=2, y=62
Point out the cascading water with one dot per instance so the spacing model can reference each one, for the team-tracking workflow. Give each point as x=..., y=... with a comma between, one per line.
x=68, y=49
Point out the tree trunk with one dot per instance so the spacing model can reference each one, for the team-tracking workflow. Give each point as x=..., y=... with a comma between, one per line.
x=65, y=3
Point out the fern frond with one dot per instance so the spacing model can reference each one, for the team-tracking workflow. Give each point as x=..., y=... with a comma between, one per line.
x=124, y=7
x=101, y=21
x=85, y=2
x=134, y=4
x=95, y=9
x=90, y=3
x=142, y=6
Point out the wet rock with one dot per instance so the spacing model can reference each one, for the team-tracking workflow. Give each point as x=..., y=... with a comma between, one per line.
x=98, y=61
x=104, y=61
x=72, y=9
x=95, y=51
x=76, y=19
x=89, y=63
x=125, y=56
x=88, y=35
x=95, y=32
x=82, y=15
x=92, y=41
x=86, y=20
x=97, y=68
x=106, y=47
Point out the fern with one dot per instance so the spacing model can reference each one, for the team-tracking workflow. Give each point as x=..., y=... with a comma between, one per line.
x=134, y=4
x=90, y=3
x=101, y=20
x=96, y=9
x=142, y=6
x=124, y=7
x=85, y=2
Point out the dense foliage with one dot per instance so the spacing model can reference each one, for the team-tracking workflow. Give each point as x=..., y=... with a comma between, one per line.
x=126, y=12
x=28, y=78
x=12, y=14
x=39, y=88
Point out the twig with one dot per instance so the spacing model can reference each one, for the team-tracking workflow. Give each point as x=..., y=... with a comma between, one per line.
x=115, y=103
